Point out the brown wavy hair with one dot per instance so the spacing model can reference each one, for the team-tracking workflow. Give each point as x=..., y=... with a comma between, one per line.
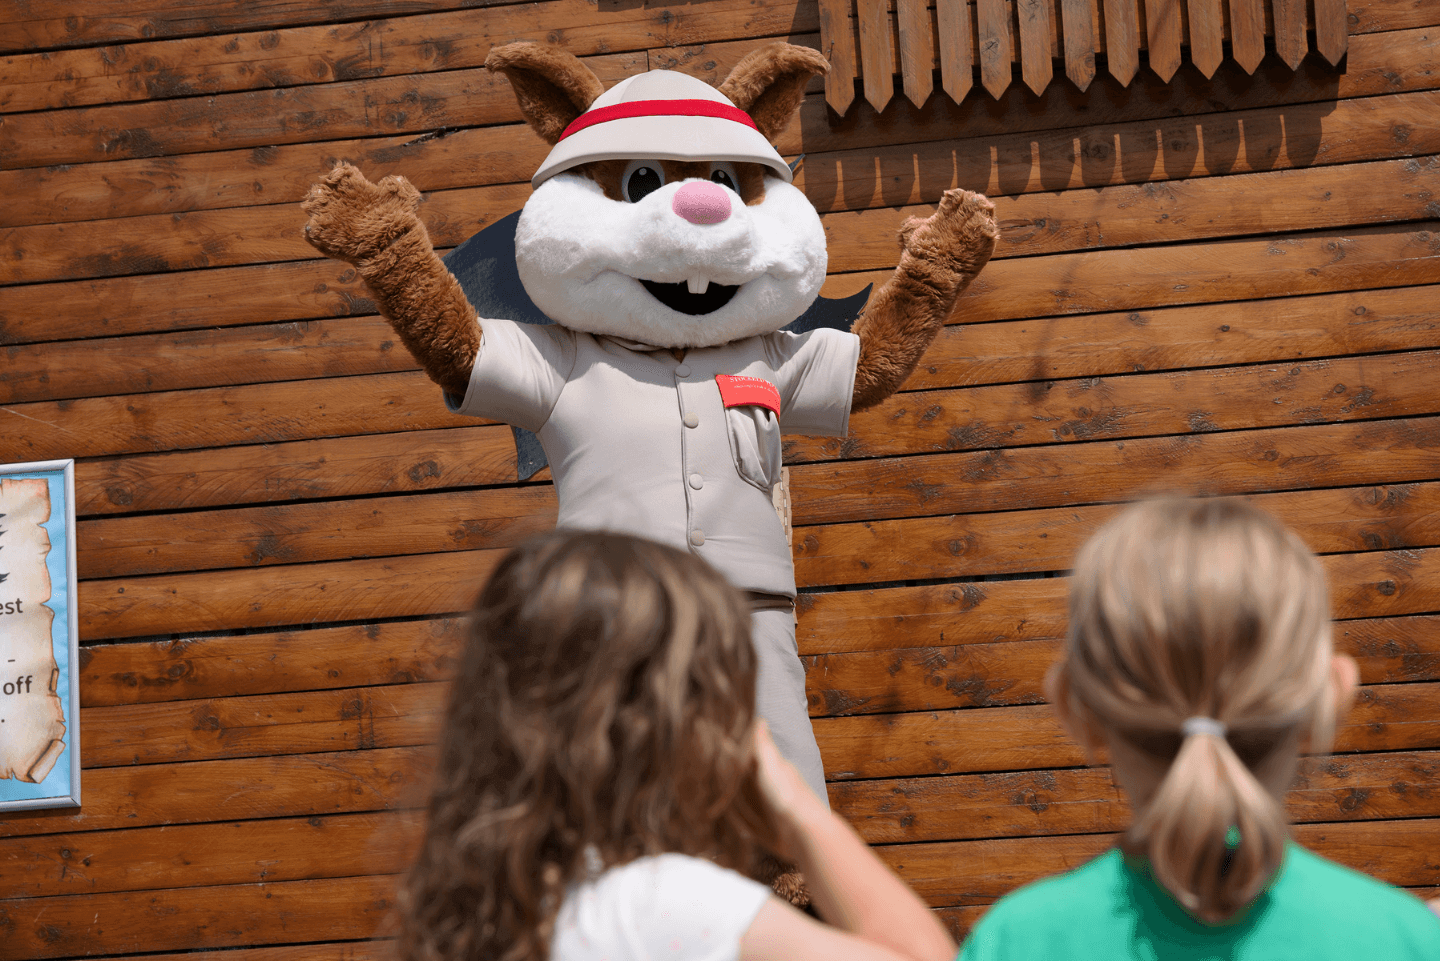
x=1182, y=608
x=603, y=704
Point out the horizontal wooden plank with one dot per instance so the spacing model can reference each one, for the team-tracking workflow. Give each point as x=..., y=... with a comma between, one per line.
x=1205, y=209
x=384, y=106
x=306, y=660
x=1390, y=717
x=978, y=674
x=1134, y=405
x=202, y=791
x=891, y=550
x=236, y=852
x=967, y=872
x=327, y=530
x=278, y=172
x=356, y=590
x=1179, y=211
x=1087, y=800
x=219, y=417
x=254, y=60
x=1374, y=16
x=377, y=106
x=1218, y=335
x=176, y=919
x=334, y=951
x=349, y=719
x=43, y=24
x=1136, y=152
x=974, y=612
x=1012, y=542
x=225, y=178
x=1203, y=463
x=1365, y=585
x=1104, y=280
x=160, y=303
x=1150, y=277
x=1206, y=335
x=1398, y=125
x=300, y=470
x=295, y=350
x=216, y=238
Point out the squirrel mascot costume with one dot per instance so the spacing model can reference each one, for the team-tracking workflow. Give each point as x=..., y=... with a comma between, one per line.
x=665, y=241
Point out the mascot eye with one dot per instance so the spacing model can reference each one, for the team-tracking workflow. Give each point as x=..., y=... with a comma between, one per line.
x=641, y=179
x=724, y=175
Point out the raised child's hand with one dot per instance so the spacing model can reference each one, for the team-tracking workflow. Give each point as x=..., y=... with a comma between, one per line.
x=789, y=797
x=352, y=219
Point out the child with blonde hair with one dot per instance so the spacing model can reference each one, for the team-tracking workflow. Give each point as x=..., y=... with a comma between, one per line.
x=603, y=786
x=1199, y=656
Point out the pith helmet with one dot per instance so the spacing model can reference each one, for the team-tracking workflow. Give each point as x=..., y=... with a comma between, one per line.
x=662, y=115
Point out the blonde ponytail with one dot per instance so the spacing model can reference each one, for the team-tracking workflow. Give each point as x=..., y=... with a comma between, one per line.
x=1200, y=640
x=1213, y=834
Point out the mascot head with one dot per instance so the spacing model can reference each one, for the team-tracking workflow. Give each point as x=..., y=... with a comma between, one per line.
x=663, y=213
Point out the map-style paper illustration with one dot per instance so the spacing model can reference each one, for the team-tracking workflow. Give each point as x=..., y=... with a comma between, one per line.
x=32, y=720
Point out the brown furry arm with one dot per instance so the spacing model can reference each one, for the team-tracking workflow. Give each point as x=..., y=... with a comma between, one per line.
x=939, y=258
x=373, y=226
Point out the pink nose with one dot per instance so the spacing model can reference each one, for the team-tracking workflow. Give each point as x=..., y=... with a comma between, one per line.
x=702, y=202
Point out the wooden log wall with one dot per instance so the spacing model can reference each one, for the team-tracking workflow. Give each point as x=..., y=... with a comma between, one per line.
x=1226, y=286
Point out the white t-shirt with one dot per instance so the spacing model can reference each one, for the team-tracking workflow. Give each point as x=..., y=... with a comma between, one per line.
x=665, y=908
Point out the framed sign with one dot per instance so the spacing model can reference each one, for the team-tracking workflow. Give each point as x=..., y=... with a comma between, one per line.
x=39, y=642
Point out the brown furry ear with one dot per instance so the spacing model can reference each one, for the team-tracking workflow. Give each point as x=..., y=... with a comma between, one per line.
x=769, y=84
x=552, y=87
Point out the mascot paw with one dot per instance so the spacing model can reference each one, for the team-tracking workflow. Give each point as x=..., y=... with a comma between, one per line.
x=352, y=219
x=958, y=238
x=790, y=886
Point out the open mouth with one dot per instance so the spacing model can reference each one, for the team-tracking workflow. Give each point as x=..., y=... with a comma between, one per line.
x=679, y=298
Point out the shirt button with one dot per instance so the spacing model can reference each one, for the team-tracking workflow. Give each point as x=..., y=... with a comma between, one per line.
x=692, y=419
x=697, y=537
x=682, y=371
x=696, y=481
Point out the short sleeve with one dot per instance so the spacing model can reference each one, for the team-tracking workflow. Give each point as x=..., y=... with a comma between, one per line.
x=815, y=372
x=519, y=373
x=665, y=908
x=703, y=910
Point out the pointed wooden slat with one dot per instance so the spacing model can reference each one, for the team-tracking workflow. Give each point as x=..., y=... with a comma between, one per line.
x=1037, y=31
x=1162, y=32
x=957, y=47
x=996, y=50
x=1332, y=38
x=877, y=54
x=837, y=43
x=1122, y=39
x=1247, y=33
x=1207, y=35
x=917, y=49
x=1290, y=40
x=1078, y=26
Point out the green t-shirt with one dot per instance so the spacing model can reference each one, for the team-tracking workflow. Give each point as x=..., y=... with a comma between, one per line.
x=1111, y=909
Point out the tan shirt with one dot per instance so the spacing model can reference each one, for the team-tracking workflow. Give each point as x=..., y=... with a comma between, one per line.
x=640, y=442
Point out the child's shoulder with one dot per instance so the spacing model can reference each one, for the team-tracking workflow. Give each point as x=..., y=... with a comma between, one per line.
x=1344, y=895
x=1048, y=913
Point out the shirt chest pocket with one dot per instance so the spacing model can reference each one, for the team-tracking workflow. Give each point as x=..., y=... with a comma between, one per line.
x=752, y=421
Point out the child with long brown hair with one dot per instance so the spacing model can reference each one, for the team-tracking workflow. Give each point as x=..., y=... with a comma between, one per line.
x=602, y=786
x=1199, y=656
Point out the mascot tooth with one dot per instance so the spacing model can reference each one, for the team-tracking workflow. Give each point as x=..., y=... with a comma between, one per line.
x=667, y=243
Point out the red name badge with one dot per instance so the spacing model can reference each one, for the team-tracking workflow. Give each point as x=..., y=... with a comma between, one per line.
x=740, y=391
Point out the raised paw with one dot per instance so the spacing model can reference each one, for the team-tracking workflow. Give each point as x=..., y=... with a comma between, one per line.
x=960, y=236
x=352, y=219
